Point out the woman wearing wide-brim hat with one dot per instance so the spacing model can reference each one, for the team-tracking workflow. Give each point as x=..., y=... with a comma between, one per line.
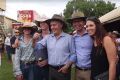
x=41, y=55
x=24, y=63
x=29, y=25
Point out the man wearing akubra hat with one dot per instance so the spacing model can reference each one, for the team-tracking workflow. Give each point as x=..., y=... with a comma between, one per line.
x=83, y=46
x=41, y=55
x=24, y=63
x=60, y=48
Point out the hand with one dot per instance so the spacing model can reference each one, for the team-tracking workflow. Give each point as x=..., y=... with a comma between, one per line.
x=19, y=77
x=42, y=63
x=64, y=69
x=36, y=36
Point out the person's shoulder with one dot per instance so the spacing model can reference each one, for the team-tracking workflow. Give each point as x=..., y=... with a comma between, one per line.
x=107, y=39
x=67, y=35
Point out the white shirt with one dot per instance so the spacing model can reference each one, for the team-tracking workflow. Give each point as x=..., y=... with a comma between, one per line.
x=7, y=41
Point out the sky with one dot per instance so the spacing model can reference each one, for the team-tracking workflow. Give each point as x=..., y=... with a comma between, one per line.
x=42, y=7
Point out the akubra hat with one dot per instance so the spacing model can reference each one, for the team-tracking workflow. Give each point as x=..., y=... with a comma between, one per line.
x=59, y=18
x=77, y=15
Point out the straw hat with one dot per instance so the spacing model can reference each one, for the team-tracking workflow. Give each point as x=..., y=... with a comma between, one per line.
x=29, y=25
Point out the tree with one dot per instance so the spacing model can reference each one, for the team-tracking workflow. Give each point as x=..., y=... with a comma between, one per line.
x=88, y=7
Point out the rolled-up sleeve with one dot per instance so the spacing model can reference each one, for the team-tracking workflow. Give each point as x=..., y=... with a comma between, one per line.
x=16, y=68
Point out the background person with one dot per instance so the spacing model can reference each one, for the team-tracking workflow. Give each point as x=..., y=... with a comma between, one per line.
x=8, y=46
x=12, y=41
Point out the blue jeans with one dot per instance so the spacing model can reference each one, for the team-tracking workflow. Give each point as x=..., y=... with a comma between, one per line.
x=27, y=71
x=41, y=73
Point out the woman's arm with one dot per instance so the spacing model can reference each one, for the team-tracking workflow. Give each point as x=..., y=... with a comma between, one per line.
x=16, y=44
x=111, y=51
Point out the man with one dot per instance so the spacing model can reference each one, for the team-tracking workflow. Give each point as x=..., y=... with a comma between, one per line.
x=12, y=41
x=8, y=46
x=83, y=46
x=41, y=55
x=60, y=49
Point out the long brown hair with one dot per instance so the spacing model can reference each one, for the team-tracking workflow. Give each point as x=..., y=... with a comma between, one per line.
x=100, y=31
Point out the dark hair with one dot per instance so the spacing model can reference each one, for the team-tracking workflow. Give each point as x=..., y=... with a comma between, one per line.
x=48, y=23
x=100, y=31
x=39, y=31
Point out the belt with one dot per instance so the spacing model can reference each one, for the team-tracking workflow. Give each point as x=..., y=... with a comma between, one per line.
x=56, y=67
x=28, y=62
x=83, y=69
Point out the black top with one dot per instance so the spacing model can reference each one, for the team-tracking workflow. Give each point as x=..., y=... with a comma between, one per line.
x=99, y=61
x=12, y=41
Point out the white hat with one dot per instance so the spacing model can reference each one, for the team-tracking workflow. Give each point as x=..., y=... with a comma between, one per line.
x=29, y=24
x=42, y=19
x=116, y=32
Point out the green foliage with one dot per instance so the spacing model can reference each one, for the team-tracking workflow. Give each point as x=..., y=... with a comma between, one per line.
x=6, y=72
x=88, y=7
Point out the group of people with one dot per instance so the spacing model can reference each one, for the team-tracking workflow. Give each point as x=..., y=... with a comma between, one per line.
x=49, y=53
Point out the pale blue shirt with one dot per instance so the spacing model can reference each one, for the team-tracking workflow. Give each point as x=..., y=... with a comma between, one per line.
x=61, y=50
x=83, y=47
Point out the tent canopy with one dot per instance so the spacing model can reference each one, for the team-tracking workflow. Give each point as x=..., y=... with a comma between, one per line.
x=111, y=16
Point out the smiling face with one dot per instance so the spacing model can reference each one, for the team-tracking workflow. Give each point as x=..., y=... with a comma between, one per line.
x=17, y=32
x=44, y=26
x=78, y=24
x=91, y=28
x=27, y=31
x=56, y=27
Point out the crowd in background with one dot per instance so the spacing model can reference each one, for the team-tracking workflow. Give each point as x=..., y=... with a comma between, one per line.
x=43, y=51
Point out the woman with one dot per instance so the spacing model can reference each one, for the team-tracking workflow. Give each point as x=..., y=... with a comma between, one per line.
x=104, y=53
x=24, y=63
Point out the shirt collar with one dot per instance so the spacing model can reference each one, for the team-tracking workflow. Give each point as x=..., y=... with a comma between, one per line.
x=61, y=35
x=85, y=32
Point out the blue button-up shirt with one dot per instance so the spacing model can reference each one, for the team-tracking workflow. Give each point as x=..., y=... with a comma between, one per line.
x=83, y=47
x=60, y=50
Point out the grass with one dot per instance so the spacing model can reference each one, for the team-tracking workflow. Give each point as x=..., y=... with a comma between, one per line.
x=7, y=74
x=6, y=70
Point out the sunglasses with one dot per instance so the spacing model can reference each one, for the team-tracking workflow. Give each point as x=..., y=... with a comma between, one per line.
x=27, y=28
x=16, y=32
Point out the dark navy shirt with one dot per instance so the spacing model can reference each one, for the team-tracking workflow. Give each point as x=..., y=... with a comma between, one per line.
x=40, y=51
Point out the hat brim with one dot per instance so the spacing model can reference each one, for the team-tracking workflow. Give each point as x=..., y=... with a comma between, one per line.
x=64, y=24
x=71, y=19
x=38, y=22
x=33, y=30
